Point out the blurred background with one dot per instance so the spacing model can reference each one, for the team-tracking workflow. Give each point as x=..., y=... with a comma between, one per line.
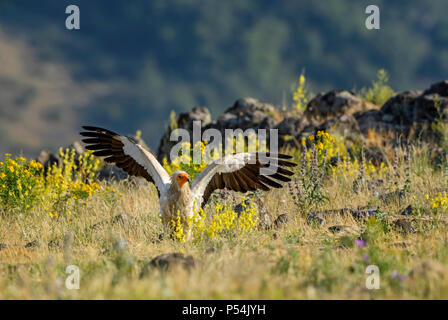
x=132, y=62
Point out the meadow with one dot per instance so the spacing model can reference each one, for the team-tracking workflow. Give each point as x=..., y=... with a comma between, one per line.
x=111, y=231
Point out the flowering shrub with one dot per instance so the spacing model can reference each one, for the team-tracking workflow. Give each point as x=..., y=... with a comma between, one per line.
x=23, y=185
x=380, y=92
x=184, y=161
x=20, y=183
x=300, y=95
x=324, y=143
x=71, y=182
x=438, y=203
x=225, y=222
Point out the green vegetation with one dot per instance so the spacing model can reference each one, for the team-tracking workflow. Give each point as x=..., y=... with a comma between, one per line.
x=380, y=92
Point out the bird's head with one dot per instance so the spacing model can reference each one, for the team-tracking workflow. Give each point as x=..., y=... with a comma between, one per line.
x=181, y=178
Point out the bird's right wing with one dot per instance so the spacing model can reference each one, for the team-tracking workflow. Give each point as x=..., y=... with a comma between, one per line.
x=127, y=154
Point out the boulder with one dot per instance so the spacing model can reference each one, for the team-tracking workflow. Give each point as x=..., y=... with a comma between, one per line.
x=183, y=121
x=408, y=113
x=340, y=229
x=47, y=159
x=167, y=261
x=247, y=113
x=281, y=220
x=264, y=217
x=404, y=226
x=335, y=103
x=440, y=88
x=345, y=125
x=289, y=131
x=111, y=172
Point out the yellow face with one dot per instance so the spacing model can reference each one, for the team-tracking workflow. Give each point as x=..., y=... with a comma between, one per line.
x=182, y=178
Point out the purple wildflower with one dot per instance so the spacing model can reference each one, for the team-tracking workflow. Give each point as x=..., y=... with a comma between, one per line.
x=397, y=275
x=360, y=243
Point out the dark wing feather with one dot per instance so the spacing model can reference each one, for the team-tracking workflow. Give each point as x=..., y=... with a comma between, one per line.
x=249, y=178
x=104, y=144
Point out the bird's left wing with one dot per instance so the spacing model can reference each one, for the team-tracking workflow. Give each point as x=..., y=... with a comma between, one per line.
x=127, y=154
x=242, y=172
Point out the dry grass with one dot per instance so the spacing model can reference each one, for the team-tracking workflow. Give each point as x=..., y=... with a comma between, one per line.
x=298, y=261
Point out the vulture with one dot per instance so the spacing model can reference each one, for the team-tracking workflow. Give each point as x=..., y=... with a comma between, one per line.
x=177, y=194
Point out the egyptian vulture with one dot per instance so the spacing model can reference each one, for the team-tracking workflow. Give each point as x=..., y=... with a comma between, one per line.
x=238, y=172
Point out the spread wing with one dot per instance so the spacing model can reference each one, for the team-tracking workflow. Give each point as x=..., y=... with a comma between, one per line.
x=127, y=154
x=242, y=172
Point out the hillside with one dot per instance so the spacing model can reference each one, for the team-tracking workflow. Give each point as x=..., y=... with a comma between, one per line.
x=131, y=64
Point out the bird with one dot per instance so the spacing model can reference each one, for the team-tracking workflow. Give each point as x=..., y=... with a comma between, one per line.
x=178, y=195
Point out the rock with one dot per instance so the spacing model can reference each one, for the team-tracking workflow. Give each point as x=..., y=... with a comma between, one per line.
x=54, y=243
x=79, y=149
x=247, y=113
x=169, y=260
x=397, y=195
x=408, y=211
x=411, y=210
x=406, y=112
x=239, y=208
x=288, y=131
x=375, y=184
x=111, y=172
x=338, y=229
x=335, y=103
x=363, y=213
x=440, y=88
x=345, y=125
x=371, y=120
x=210, y=250
x=275, y=236
x=375, y=154
x=281, y=220
x=408, y=109
x=398, y=109
x=264, y=218
x=183, y=121
x=33, y=244
x=404, y=226
x=291, y=126
x=314, y=218
x=47, y=159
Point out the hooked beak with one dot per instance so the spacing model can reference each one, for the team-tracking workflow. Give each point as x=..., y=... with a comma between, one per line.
x=188, y=179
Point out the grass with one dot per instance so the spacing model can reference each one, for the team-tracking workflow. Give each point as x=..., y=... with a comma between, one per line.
x=297, y=261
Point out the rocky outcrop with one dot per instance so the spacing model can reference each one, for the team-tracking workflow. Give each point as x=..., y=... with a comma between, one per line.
x=407, y=114
x=246, y=113
x=408, y=111
x=336, y=103
x=183, y=121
